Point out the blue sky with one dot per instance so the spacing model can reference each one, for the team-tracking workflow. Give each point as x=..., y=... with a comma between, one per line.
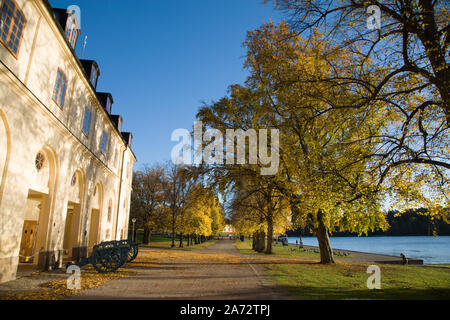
x=161, y=59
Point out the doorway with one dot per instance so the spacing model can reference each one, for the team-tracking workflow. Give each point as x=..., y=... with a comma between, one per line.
x=94, y=228
x=71, y=230
x=34, y=216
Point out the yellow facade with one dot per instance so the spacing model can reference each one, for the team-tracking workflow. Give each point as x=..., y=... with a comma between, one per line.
x=59, y=192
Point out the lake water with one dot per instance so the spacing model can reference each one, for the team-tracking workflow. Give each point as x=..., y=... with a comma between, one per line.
x=432, y=250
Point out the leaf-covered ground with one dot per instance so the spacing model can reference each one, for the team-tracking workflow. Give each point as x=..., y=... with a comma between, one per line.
x=57, y=289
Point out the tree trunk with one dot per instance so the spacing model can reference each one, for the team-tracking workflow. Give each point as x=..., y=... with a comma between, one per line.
x=254, y=241
x=269, y=234
x=181, y=240
x=301, y=238
x=188, y=241
x=146, y=238
x=173, y=239
x=173, y=231
x=326, y=252
x=260, y=241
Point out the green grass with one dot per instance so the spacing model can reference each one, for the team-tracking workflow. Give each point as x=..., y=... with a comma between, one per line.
x=348, y=281
x=280, y=250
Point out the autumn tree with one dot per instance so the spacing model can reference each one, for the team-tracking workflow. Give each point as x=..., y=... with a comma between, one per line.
x=242, y=110
x=260, y=209
x=179, y=184
x=323, y=184
x=326, y=173
x=400, y=67
x=147, y=200
x=203, y=215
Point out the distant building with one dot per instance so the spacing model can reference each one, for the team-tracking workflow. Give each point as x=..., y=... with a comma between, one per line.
x=228, y=229
x=65, y=164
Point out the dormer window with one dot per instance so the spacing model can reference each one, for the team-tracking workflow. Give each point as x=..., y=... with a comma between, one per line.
x=94, y=77
x=106, y=100
x=109, y=104
x=92, y=71
x=72, y=30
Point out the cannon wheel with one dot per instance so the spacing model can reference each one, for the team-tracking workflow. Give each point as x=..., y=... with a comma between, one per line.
x=133, y=252
x=107, y=259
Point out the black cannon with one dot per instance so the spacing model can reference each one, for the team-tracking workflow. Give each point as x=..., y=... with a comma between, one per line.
x=110, y=255
x=130, y=249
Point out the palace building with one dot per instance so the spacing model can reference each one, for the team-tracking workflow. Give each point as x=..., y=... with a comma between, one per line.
x=65, y=164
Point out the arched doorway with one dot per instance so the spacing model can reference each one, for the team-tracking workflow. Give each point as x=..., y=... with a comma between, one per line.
x=73, y=216
x=34, y=247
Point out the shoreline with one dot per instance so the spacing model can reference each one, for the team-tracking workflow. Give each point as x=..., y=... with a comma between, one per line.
x=430, y=249
x=366, y=257
x=373, y=236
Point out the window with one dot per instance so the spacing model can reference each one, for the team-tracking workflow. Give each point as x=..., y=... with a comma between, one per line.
x=94, y=76
x=87, y=121
x=39, y=161
x=59, y=93
x=115, y=158
x=12, y=23
x=109, y=210
x=108, y=105
x=104, y=142
x=74, y=180
x=71, y=30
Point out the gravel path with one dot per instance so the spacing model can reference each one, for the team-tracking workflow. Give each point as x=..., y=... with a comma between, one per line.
x=204, y=277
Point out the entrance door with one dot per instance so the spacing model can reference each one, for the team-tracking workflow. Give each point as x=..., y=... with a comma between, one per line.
x=28, y=241
x=93, y=229
x=67, y=244
x=71, y=231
